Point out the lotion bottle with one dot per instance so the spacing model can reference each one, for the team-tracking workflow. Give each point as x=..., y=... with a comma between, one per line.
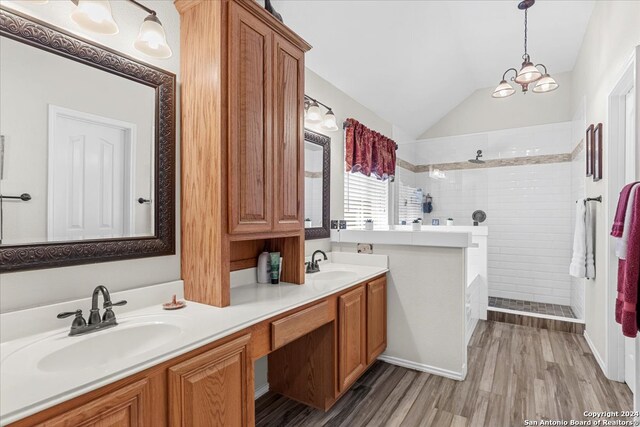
x=263, y=268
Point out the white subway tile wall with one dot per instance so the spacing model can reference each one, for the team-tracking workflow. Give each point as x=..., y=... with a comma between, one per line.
x=529, y=208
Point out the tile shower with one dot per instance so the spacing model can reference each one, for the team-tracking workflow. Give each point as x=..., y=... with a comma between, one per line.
x=529, y=205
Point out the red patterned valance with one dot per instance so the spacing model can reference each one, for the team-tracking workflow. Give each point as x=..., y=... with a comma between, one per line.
x=369, y=152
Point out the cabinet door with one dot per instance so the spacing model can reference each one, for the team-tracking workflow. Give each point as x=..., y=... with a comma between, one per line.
x=288, y=131
x=249, y=132
x=214, y=388
x=351, y=324
x=376, y=318
x=122, y=408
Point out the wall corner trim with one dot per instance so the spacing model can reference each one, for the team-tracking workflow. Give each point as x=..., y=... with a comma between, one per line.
x=596, y=354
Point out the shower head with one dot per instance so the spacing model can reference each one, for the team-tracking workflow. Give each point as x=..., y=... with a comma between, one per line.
x=477, y=159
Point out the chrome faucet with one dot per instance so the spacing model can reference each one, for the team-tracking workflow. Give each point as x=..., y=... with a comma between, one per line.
x=79, y=326
x=312, y=266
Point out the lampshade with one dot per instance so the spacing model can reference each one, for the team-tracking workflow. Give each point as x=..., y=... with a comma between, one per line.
x=528, y=73
x=329, y=121
x=152, y=39
x=545, y=84
x=95, y=15
x=314, y=113
x=503, y=90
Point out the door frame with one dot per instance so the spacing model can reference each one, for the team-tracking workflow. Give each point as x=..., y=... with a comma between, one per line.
x=130, y=129
x=626, y=81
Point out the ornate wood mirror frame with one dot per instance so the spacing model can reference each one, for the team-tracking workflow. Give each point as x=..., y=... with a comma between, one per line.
x=46, y=255
x=325, y=142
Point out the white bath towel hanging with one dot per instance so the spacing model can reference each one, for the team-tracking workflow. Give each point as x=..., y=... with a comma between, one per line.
x=578, y=267
x=590, y=231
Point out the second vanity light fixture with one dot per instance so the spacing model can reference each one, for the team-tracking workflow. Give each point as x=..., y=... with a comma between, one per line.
x=95, y=16
x=313, y=114
x=528, y=73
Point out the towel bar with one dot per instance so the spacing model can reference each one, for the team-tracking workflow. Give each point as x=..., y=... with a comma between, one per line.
x=592, y=199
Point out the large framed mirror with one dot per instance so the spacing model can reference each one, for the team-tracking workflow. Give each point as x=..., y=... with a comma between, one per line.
x=317, y=171
x=87, y=151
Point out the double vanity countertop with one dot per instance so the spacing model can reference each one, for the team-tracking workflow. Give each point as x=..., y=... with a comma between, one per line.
x=42, y=368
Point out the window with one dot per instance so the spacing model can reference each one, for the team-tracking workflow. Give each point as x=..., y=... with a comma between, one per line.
x=409, y=203
x=365, y=198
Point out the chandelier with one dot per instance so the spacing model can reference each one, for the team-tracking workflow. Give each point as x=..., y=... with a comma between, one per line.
x=529, y=73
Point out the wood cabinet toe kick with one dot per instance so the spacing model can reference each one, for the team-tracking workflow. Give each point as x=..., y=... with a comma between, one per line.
x=316, y=352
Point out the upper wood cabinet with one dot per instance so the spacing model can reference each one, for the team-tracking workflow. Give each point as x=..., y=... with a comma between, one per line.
x=376, y=318
x=352, y=353
x=266, y=134
x=251, y=167
x=288, y=131
x=214, y=388
x=242, y=144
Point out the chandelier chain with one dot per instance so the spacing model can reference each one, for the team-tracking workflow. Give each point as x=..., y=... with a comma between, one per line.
x=525, y=34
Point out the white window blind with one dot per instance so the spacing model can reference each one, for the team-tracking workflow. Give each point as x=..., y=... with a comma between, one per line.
x=365, y=198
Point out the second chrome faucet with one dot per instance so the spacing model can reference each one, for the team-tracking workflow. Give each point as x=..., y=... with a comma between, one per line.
x=96, y=322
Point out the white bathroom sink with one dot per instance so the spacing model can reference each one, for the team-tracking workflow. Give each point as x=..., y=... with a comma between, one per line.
x=334, y=275
x=61, y=353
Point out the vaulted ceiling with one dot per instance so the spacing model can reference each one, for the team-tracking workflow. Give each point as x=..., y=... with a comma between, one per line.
x=411, y=62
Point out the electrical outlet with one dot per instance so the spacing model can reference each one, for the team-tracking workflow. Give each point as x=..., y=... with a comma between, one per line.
x=343, y=224
x=334, y=224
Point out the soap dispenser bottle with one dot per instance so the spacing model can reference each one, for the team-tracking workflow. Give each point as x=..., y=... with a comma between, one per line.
x=263, y=268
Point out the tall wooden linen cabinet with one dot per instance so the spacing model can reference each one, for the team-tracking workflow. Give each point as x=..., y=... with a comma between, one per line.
x=242, y=97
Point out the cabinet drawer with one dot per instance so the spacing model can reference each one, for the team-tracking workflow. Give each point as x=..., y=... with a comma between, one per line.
x=292, y=327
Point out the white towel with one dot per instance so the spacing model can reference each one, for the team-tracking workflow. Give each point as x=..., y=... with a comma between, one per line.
x=621, y=242
x=578, y=267
x=590, y=232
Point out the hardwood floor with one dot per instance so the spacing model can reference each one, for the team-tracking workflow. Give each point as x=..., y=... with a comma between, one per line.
x=515, y=373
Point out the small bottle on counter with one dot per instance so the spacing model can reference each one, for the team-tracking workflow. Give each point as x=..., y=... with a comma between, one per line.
x=263, y=268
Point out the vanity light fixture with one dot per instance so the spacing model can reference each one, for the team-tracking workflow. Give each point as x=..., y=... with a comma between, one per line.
x=95, y=16
x=529, y=73
x=313, y=114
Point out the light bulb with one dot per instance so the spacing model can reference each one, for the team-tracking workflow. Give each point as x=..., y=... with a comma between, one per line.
x=329, y=121
x=95, y=16
x=314, y=113
x=528, y=73
x=545, y=84
x=503, y=90
x=152, y=40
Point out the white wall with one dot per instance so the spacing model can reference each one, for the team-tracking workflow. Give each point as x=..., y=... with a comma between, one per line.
x=612, y=34
x=529, y=207
x=39, y=287
x=344, y=107
x=480, y=112
x=30, y=81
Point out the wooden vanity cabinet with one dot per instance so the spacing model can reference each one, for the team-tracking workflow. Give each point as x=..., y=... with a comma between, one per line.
x=316, y=352
x=120, y=408
x=214, y=388
x=376, y=318
x=352, y=330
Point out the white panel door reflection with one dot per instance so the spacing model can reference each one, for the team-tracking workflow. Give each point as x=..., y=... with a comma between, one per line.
x=90, y=176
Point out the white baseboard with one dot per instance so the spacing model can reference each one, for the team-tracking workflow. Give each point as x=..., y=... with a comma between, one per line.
x=597, y=356
x=261, y=390
x=459, y=376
